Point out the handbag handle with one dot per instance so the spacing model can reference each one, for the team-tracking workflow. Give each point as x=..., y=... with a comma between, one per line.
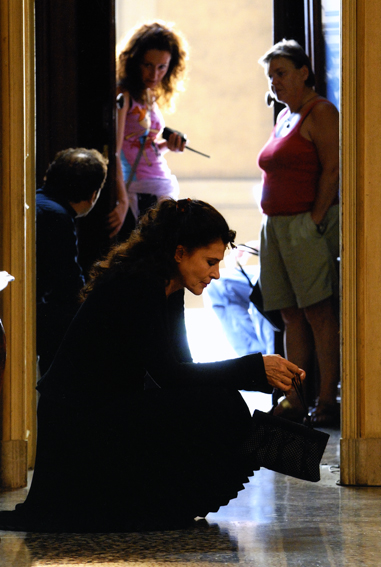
x=297, y=383
x=254, y=252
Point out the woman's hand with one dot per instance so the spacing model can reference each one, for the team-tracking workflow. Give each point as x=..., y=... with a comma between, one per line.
x=116, y=218
x=176, y=143
x=280, y=371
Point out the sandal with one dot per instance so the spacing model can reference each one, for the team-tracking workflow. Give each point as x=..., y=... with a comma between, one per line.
x=325, y=415
x=287, y=410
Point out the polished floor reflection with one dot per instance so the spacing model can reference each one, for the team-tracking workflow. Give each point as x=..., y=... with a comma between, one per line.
x=275, y=521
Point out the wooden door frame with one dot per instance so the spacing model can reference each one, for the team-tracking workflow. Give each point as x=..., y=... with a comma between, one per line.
x=17, y=399
x=361, y=265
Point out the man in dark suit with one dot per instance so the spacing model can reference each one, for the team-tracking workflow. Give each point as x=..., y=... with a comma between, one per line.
x=71, y=188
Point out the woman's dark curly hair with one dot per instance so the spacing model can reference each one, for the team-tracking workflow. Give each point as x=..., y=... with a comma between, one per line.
x=290, y=49
x=155, y=35
x=151, y=248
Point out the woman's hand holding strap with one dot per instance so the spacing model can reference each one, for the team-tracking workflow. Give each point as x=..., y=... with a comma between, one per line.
x=280, y=372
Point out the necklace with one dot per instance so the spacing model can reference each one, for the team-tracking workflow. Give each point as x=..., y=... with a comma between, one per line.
x=288, y=120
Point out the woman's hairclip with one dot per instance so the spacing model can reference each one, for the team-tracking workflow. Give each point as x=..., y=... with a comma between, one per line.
x=182, y=205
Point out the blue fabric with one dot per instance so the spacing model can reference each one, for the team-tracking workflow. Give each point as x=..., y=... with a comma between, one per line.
x=246, y=329
x=59, y=275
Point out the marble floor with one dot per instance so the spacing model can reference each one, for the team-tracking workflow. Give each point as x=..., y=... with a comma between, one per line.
x=276, y=521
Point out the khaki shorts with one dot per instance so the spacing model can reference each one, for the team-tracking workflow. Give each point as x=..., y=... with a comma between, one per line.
x=299, y=266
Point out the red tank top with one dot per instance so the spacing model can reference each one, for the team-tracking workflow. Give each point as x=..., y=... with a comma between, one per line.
x=291, y=170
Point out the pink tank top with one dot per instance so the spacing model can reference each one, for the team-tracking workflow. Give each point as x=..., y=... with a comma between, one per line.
x=152, y=163
x=291, y=170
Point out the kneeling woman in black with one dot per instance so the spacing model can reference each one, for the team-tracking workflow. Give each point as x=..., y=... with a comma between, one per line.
x=112, y=454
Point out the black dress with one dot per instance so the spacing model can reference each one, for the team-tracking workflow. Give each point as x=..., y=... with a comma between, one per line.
x=113, y=455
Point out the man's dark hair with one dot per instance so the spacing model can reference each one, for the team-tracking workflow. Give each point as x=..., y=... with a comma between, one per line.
x=76, y=173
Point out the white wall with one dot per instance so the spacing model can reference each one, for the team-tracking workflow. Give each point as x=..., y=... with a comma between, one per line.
x=222, y=110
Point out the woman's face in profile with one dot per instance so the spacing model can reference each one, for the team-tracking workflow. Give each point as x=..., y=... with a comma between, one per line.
x=154, y=67
x=285, y=80
x=198, y=268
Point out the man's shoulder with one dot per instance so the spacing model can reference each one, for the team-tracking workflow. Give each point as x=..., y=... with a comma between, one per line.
x=47, y=204
x=53, y=218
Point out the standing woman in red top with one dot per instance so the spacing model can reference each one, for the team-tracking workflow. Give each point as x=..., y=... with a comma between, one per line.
x=300, y=233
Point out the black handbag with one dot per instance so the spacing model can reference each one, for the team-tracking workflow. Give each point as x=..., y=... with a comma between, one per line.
x=273, y=317
x=289, y=448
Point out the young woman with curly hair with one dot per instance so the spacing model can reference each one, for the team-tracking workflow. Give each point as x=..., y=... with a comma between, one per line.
x=151, y=69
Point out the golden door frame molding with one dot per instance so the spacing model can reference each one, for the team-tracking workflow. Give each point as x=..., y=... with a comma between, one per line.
x=360, y=258
x=361, y=241
x=17, y=249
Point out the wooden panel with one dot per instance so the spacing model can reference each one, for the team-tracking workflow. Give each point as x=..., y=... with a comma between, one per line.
x=56, y=80
x=76, y=97
x=13, y=464
x=370, y=266
x=97, y=115
x=30, y=180
x=13, y=212
x=350, y=211
x=361, y=263
x=288, y=23
x=315, y=47
x=16, y=145
x=3, y=353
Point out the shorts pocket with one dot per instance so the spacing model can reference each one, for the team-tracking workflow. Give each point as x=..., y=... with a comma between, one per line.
x=302, y=227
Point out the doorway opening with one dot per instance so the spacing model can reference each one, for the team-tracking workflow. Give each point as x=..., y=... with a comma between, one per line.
x=223, y=113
